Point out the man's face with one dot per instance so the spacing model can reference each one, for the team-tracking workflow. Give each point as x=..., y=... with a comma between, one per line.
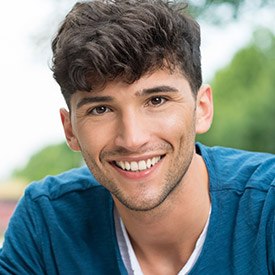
x=137, y=139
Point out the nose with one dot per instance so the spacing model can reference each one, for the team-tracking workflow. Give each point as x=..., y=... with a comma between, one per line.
x=133, y=131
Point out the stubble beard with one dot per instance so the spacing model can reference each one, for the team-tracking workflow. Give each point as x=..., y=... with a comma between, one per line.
x=174, y=177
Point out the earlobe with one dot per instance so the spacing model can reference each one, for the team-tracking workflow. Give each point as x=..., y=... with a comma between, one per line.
x=68, y=130
x=204, y=112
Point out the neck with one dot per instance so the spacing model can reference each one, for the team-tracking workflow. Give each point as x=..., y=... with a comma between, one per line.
x=175, y=225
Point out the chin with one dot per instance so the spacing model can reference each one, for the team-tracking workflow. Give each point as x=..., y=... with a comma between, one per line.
x=141, y=203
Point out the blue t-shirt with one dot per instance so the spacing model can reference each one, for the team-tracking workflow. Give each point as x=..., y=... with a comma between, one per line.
x=64, y=224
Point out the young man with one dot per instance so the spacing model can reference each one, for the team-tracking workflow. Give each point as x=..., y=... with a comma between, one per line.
x=150, y=200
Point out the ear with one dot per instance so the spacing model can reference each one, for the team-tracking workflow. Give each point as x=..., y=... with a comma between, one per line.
x=68, y=130
x=204, y=111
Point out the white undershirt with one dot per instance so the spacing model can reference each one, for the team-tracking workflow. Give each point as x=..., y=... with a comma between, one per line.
x=129, y=257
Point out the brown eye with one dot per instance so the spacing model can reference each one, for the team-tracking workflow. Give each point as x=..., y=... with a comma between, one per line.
x=157, y=100
x=99, y=110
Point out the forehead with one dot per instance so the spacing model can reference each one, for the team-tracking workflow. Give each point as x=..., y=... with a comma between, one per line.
x=157, y=81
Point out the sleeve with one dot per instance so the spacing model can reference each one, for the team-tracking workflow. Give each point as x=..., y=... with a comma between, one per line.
x=20, y=253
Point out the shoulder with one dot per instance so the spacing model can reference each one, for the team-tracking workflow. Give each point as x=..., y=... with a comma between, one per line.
x=55, y=215
x=73, y=194
x=242, y=223
x=239, y=169
x=242, y=187
x=54, y=187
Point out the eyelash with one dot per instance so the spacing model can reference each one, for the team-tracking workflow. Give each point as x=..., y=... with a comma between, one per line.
x=94, y=111
x=162, y=99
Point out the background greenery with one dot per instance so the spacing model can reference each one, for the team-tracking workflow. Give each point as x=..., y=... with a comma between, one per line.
x=51, y=160
x=244, y=98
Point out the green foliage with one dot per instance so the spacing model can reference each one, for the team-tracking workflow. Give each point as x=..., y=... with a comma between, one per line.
x=51, y=160
x=244, y=98
x=223, y=11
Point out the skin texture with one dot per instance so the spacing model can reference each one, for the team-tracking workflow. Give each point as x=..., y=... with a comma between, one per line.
x=156, y=116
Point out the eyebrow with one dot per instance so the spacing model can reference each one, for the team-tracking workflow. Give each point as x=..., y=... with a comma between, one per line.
x=157, y=89
x=102, y=99
x=93, y=99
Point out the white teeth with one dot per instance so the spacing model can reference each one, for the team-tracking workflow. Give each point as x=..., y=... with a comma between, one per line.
x=142, y=165
x=138, y=166
x=134, y=166
x=122, y=165
x=127, y=166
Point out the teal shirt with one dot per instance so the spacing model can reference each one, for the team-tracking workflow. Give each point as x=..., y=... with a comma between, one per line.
x=64, y=224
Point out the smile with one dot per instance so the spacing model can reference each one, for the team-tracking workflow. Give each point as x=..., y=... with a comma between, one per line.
x=135, y=166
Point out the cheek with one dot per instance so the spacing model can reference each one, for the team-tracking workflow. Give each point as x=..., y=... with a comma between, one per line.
x=177, y=123
x=94, y=138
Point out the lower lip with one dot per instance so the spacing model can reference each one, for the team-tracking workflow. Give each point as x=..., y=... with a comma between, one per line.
x=139, y=174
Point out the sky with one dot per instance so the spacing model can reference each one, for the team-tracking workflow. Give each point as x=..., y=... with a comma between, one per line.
x=30, y=98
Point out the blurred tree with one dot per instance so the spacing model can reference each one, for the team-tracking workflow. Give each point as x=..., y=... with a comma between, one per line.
x=223, y=11
x=51, y=160
x=214, y=11
x=244, y=98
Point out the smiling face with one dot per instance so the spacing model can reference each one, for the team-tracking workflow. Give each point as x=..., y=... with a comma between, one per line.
x=138, y=139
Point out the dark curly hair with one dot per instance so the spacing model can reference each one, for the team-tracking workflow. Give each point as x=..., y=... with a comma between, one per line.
x=100, y=41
